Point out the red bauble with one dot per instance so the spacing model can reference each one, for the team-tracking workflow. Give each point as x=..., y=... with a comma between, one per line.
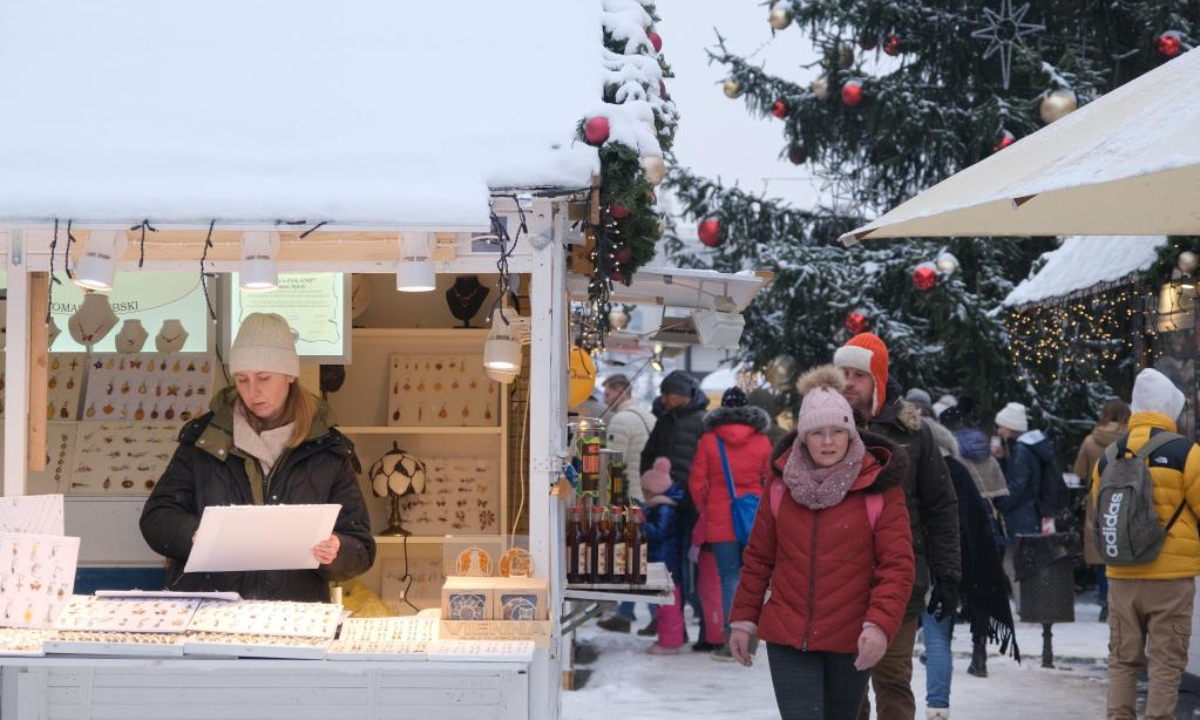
x=797, y=155
x=710, y=232
x=857, y=323
x=1169, y=44
x=924, y=278
x=617, y=276
x=867, y=42
x=596, y=131
x=1005, y=140
x=655, y=40
x=779, y=109
x=618, y=211
x=891, y=46
x=624, y=255
x=852, y=93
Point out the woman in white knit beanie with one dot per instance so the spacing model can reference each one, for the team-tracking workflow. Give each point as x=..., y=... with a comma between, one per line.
x=266, y=441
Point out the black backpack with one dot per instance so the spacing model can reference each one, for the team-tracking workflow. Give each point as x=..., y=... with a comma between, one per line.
x=1054, y=498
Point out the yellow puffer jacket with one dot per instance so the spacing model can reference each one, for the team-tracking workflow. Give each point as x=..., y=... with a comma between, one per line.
x=1175, y=469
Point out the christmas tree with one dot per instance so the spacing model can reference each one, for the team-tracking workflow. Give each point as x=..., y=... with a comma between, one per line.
x=907, y=95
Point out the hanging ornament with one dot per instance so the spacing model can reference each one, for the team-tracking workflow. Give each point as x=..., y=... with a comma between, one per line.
x=820, y=87
x=857, y=322
x=655, y=41
x=618, y=319
x=732, y=89
x=1169, y=44
x=1188, y=262
x=891, y=46
x=840, y=56
x=1004, y=30
x=868, y=42
x=1057, y=105
x=710, y=232
x=618, y=211
x=596, y=130
x=946, y=262
x=779, y=18
x=925, y=276
x=1006, y=139
x=655, y=169
x=617, y=276
x=780, y=371
x=779, y=109
x=624, y=255
x=852, y=93
x=797, y=155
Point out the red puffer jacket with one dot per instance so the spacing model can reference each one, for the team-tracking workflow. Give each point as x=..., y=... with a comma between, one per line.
x=749, y=453
x=827, y=572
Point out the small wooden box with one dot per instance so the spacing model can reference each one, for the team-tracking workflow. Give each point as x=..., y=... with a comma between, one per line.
x=519, y=598
x=468, y=598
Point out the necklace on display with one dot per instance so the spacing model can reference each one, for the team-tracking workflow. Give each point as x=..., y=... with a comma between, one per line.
x=86, y=337
x=466, y=300
x=169, y=340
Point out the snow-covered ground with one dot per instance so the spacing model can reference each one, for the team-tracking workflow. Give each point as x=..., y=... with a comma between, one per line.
x=627, y=683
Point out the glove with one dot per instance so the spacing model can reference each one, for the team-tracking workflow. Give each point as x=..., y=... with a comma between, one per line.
x=943, y=601
x=872, y=644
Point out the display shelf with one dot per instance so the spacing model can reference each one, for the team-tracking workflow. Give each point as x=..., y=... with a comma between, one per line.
x=417, y=430
x=412, y=540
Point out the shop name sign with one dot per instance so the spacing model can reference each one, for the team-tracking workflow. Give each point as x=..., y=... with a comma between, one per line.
x=537, y=631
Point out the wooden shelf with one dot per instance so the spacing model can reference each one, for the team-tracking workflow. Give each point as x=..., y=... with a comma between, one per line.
x=418, y=430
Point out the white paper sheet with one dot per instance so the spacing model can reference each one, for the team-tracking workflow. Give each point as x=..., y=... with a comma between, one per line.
x=36, y=514
x=260, y=537
x=168, y=594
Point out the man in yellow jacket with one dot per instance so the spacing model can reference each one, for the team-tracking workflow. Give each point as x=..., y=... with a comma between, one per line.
x=1150, y=605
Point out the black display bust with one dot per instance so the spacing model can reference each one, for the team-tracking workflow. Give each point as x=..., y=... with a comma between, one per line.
x=465, y=297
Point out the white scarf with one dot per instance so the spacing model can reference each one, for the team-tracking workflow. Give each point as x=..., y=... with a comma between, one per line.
x=266, y=446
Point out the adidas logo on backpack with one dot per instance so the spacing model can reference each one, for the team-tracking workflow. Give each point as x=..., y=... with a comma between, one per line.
x=1126, y=525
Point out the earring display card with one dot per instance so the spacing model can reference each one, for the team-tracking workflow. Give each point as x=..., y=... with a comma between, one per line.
x=37, y=577
x=250, y=645
x=401, y=638
x=121, y=458
x=120, y=644
x=148, y=387
x=20, y=641
x=462, y=497
x=441, y=391
x=64, y=384
x=425, y=589
x=265, y=617
x=34, y=514
x=87, y=612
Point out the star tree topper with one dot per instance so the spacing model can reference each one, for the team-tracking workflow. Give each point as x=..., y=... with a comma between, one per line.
x=1003, y=31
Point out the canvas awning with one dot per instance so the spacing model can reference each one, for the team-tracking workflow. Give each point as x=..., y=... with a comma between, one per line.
x=1128, y=163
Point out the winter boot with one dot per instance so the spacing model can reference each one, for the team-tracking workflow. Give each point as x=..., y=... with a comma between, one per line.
x=657, y=649
x=978, y=666
x=937, y=713
x=615, y=624
x=703, y=646
x=651, y=630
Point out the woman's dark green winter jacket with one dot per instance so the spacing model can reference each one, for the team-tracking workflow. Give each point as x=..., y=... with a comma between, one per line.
x=208, y=470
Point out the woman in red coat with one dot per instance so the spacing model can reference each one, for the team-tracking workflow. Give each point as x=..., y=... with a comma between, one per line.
x=833, y=545
x=740, y=427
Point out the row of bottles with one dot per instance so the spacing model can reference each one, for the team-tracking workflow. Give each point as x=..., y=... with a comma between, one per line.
x=611, y=548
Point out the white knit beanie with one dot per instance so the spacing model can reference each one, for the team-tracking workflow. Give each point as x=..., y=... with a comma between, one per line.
x=264, y=343
x=1013, y=417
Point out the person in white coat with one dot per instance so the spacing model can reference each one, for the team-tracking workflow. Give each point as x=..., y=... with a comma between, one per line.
x=629, y=426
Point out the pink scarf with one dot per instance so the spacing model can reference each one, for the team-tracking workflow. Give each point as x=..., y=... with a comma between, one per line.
x=817, y=487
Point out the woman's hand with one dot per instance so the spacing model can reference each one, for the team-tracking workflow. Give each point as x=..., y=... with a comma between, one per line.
x=739, y=647
x=327, y=551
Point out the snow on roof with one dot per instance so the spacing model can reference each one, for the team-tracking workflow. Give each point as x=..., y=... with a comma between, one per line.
x=1084, y=262
x=370, y=112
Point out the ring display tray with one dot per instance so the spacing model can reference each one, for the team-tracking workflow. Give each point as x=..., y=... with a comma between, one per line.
x=22, y=642
x=255, y=646
x=120, y=644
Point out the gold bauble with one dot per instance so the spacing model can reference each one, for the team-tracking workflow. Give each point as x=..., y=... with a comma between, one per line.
x=820, y=87
x=780, y=19
x=780, y=371
x=618, y=319
x=841, y=56
x=655, y=169
x=732, y=89
x=1057, y=105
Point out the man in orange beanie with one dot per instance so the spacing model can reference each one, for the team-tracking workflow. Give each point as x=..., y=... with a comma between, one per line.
x=932, y=507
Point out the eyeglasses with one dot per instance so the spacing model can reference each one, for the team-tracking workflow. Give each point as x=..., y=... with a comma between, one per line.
x=828, y=434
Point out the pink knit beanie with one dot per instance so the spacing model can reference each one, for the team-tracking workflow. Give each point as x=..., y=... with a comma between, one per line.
x=823, y=404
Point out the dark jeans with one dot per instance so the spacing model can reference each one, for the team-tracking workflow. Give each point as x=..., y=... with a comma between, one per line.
x=816, y=685
x=729, y=567
x=625, y=611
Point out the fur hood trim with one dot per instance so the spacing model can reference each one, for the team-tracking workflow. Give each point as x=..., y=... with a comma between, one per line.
x=749, y=415
x=824, y=376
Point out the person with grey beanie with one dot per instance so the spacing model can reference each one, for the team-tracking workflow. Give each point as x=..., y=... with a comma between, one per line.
x=266, y=441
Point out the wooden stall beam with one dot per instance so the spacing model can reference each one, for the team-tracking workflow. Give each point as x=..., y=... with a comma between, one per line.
x=39, y=368
x=16, y=364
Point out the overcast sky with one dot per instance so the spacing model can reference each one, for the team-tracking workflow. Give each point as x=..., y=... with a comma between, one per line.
x=717, y=137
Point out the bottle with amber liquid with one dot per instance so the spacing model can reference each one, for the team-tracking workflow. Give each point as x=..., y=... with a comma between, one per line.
x=595, y=546
x=576, y=548
x=620, y=558
x=636, y=548
x=607, y=544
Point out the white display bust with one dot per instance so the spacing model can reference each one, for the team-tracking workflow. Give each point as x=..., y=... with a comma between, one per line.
x=171, y=337
x=132, y=337
x=93, y=321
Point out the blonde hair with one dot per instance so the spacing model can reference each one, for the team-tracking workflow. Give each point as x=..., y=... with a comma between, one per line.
x=298, y=408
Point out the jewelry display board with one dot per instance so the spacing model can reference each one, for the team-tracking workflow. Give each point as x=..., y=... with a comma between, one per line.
x=395, y=638
x=264, y=617
x=446, y=390
x=124, y=458
x=148, y=387
x=425, y=589
x=64, y=385
x=22, y=641
x=121, y=644
x=253, y=645
x=119, y=615
x=37, y=577
x=462, y=497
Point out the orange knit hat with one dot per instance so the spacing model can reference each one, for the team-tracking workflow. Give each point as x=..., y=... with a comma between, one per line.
x=866, y=352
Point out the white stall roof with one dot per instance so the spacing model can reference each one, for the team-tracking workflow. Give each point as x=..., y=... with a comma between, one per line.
x=1084, y=262
x=372, y=112
x=681, y=288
